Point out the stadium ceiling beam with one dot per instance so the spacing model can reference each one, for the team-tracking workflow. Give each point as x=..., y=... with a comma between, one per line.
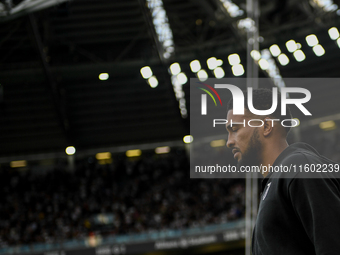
x=24, y=7
x=52, y=85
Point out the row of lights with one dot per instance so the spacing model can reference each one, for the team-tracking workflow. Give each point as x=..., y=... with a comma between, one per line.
x=178, y=79
x=162, y=27
x=236, y=66
x=106, y=157
x=334, y=35
x=313, y=41
x=268, y=64
x=232, y=9
x=147, y=74
x=326, y=5
x=295, y=48
x=138, y=152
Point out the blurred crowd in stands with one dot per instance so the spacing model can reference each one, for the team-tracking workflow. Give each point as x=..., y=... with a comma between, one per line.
x=143, y=194
x=149, y=193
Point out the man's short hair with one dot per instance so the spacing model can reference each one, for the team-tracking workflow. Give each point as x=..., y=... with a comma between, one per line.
x=262, y=100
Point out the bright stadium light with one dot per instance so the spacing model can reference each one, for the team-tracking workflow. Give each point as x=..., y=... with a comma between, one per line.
x=103, y=76
x=219, y=72
x=291, y=46
x=325, y=5
x=327, y=125
x=153, y=82
x=188, y=139
x=212, y=63
x=218, y=143
x=182, y=78
x=70, y=150
x=264, y=65
x=283, y=59
x=18, y=163
x=202, y=75
x=297, y=122
x=195, y=66
x=237, y=70
x=133, y=153
x=333, y=33
x=271, y=68
x=234, y=59
x=318, y=50
x=312, y=40
x=256, y=55
x=103, y=155
x=146, y=72
x=299, y=55
x=219, y=62
x=232, y=9
x=275, y=50
x=162, y=150
x=162, y=26
x=175, y=68
x=338, y=42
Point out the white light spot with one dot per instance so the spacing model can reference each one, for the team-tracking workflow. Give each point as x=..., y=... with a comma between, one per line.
x=291, y=46
x=146, y=72
x=175, y=69
x=237, y=70
x=283, y=59
x=153, y=82
x=219, y=72
x=275, y=50
x=103, y=76
x=195, y=66
x=70, y=150
x=182, y=78
x=188, y=139
x=299, y=55
x=212, y=63
x=333, y=33
x=318, y=50
x=264, y=65
x=312, y=40
x=202, y=75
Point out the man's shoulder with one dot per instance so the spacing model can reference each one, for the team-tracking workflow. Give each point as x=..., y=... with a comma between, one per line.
x=302, y=153
x=300, y=157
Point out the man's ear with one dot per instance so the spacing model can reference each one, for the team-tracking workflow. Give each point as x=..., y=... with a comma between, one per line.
x=267, y=126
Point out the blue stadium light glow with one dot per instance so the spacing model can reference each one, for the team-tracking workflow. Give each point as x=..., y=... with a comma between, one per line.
x=162, y=27
x=325, y=5
x=232, y=9
x=271, y=68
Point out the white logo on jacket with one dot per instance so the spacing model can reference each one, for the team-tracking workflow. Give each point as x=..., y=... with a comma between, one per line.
x=266, y=192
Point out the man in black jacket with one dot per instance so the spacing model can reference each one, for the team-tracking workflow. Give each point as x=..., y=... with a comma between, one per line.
x=297, y=215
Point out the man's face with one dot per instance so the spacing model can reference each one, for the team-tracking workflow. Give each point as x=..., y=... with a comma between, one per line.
x=243, y=140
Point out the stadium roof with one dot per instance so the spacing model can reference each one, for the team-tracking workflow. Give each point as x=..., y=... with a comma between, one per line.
x=50, y=60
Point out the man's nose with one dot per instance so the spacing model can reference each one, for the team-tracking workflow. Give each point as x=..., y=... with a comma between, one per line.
x=230, y=142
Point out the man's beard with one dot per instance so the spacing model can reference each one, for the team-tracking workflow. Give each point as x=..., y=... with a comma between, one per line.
x=251, y=157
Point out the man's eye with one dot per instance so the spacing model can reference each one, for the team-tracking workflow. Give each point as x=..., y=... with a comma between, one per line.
x=234, y=130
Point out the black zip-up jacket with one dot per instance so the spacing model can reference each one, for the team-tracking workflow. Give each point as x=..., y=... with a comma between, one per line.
x=298, y=216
